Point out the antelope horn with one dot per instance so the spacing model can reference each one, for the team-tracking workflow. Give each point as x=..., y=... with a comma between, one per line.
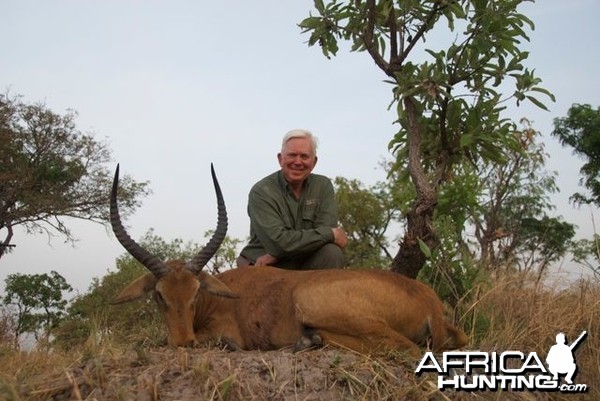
x=152, y=263
x=202, y=258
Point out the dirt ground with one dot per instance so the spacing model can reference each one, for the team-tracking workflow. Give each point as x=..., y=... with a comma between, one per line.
x=213, y=374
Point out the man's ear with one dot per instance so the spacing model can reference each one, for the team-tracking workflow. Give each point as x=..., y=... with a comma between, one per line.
x=280, y=159
x=137, y=289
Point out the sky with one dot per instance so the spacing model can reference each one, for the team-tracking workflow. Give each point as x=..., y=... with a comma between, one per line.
x=173, y=86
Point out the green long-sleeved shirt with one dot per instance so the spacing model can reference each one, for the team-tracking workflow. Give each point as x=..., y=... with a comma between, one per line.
x=285, y=227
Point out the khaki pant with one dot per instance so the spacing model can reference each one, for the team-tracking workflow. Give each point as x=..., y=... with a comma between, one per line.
x=329, y=256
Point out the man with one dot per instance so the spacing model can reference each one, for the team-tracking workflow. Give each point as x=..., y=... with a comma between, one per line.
x=293, y=214
x=560, y=357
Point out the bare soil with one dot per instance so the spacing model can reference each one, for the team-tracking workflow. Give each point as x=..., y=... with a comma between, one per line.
x=213, y=374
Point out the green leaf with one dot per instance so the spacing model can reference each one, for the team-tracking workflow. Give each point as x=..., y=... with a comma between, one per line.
x=545, y=92
x=537, y=103
x=424, y=248
x=320, y=6
x=466, y=140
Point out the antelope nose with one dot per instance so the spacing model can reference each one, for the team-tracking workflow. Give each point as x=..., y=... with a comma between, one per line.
x=183, y=342
x=192, y=343
x=189, y=342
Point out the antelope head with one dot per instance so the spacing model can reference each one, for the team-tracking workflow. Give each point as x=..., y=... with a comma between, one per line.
x=176, y=284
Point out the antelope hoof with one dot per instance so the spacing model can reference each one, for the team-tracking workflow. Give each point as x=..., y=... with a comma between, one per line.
x=307, y=341
x=228, y=344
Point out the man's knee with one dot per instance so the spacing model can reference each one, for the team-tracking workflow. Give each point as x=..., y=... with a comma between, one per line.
x=330, y=256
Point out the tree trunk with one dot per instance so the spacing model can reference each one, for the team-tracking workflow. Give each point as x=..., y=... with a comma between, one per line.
x=410, y=258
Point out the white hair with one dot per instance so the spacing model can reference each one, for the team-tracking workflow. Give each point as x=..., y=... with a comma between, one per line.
x=300, y=133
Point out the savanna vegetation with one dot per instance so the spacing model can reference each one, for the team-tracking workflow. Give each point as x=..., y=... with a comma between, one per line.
x=50, y=170
x=465, y=207
x=121, y=357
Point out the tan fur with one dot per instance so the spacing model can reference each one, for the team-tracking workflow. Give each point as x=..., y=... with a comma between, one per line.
x=270, y=308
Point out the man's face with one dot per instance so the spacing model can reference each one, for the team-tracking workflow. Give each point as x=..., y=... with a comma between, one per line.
x=297, y=160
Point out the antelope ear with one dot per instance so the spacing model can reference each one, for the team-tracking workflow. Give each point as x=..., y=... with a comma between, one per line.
x=214, y=286
x=136, y=289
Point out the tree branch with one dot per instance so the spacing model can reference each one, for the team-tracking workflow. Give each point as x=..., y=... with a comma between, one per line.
x=394, y=64
x=436, y=8
x=368, y=38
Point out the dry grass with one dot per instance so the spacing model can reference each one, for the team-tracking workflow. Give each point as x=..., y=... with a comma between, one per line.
x=513, y=314
x=519, y=314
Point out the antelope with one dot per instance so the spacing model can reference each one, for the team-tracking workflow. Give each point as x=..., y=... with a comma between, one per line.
x=267, y=308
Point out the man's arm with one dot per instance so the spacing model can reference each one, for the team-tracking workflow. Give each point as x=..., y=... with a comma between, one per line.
x=327, y=215
x=340, y=238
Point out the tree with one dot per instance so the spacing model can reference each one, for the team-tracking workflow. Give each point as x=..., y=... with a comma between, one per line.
x=580, y=130
x=225, y=257
x=587, y=253
x=541, y=241
x=365, y=214
x=510, y=215
x=38, y=301
x=450, y=105
x=49, y=170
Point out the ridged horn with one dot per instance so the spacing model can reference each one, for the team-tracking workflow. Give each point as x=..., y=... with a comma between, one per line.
x=152, y=263
x=202, y=258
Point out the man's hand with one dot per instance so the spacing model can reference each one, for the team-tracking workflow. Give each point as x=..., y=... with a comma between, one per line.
x=265, y=260
x=339, y=237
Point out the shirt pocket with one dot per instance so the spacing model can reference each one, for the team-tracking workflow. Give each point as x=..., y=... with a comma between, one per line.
x=309, y=212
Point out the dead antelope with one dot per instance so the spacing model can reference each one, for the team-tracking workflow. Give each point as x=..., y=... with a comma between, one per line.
x=270, y=308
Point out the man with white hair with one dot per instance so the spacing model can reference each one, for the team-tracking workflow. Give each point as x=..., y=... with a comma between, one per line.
x=293, y=213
